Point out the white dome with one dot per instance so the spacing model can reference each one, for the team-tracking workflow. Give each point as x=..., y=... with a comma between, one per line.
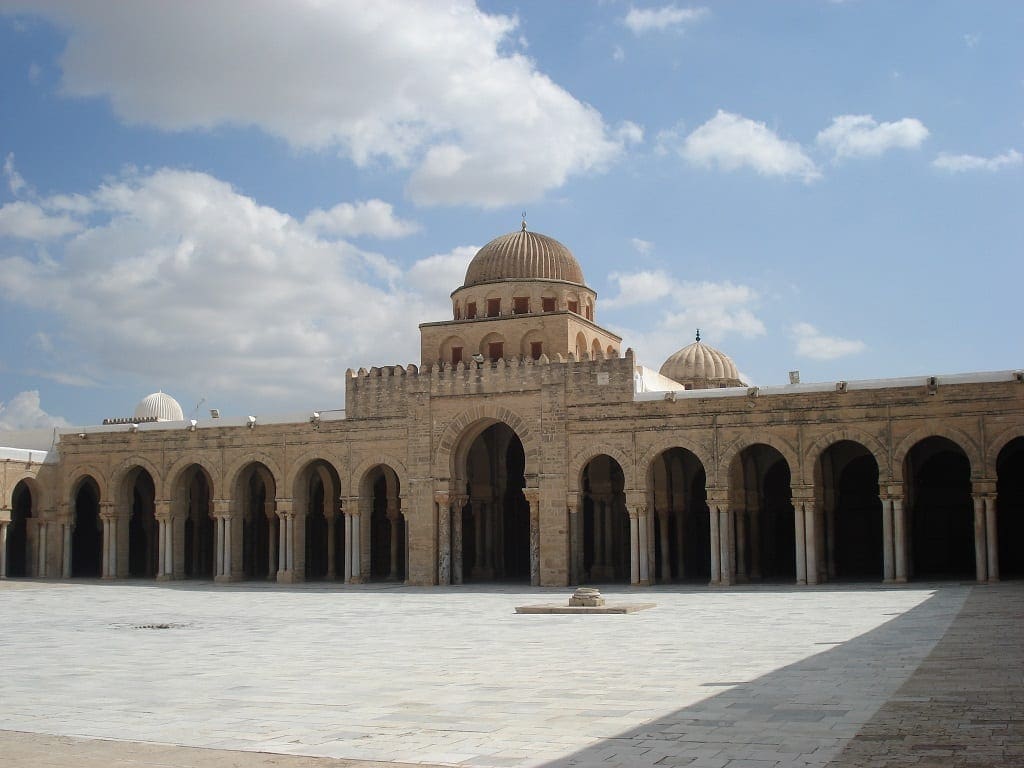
x=160, y=406
x=698, y=366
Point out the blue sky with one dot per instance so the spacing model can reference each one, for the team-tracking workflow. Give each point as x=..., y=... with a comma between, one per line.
x=235, y=202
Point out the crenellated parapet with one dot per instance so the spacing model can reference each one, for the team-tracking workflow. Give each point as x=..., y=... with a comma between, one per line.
x=389, y=391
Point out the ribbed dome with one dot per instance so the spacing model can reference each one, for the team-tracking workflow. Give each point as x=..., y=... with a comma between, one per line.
x=160, y=406
x=701, y=367
x=523, y=255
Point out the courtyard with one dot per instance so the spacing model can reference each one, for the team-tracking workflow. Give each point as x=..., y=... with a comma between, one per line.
x=741, y=678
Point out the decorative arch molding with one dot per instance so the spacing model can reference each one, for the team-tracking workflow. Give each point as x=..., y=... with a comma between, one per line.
x=300, y=466
x=208, y=465
x=586, y=455
x=454, y=436
x=962, y=440
x=813, y=452
x=667, y=443
x=996, y=445
x=378, y=459
x=39, y=491
x=78, y=474
x=117, y=477
x=236, y=468
x=737, y=446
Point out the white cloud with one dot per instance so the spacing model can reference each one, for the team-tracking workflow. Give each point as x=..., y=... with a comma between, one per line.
x=812, y=343
x=29, y=221
x=963, y=163
x=720, y=308
x=863, y=136
x=629, y=132
x=177, y=278
x=374, y=218
x=971, y=39
x=643, y=247
x=618, y=53
x=24, y=412
x=442, y=273
x=730, y=142
x=15, y=182
x=641, y=20
x=430, y=88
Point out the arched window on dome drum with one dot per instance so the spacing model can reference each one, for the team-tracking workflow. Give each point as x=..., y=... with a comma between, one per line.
x=548, y=303
x=520, y=305
x=590, y=311
x=470, y=310
x=574, y=306
x=458, y=311
x=493, y=307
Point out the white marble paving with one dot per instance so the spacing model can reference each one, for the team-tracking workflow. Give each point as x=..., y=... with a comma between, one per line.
x=779, y=676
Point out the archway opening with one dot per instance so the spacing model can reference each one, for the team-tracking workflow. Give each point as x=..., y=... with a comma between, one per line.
x=256, y=493
x=87, y=537
x=1010, y=509
x=852, y=512
x=195, y=495
x=495, y=521
x=387, y=526
x=317, y=495
x=678, y=499
x=764, y=528
x=17, y=530
x=940, y=509
x=143, y=541
x=605, y=521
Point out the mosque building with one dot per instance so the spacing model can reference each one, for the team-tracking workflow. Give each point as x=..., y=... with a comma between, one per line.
x=528, y=446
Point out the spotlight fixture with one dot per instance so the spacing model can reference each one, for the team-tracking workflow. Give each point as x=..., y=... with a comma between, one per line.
x=252, y=422
x=192, y=425
x=314, y=419
x=133, y=427
x=215, y=413
x=81, y=435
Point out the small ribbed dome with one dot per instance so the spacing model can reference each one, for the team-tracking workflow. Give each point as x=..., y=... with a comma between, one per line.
x=160, y=406
x=523, y=255
x=698, y=366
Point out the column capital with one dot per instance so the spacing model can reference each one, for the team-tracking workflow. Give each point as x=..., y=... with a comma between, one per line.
x=284, y=506
x=532, y=495
x=719, y=496
x=891, y=490
x=442, y=498
x=222, y=507
x=162, y=509
x=459, y=500
x=983, y=487
x=107, y=510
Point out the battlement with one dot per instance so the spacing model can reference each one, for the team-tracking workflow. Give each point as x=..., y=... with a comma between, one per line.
x=388, y=391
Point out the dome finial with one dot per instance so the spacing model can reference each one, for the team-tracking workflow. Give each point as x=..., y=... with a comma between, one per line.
x=698, y=334
x=524, y=221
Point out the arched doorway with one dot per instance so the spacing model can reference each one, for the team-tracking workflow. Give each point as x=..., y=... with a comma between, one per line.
x=194, y=519
x=491, y=532
x=255, y=500
x=317, y=495
x=22, y=503
x=380, y=487
x=1010, y=509
x=605, y=521
x=940, y=510
x=678, y=497
x=852, y=512
x=87, y=537
x=143, y=541
x=764, y=527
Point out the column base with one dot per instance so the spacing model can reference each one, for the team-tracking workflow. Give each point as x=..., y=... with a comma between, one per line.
x=225, y=579
x=166, y=577
x=900, y=580
x=108, y=578
x=356, y=580
x=287, y=577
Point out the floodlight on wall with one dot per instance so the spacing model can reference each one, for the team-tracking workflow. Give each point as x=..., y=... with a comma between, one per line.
x=215, y=413
x=933, y=385
x=840, y=386
x=1019, y=376
x=252, y=422
x=752, y=391
x=192, y=425
x=670, y=397
x=314, y=419
x=133, y=427
x=81, y=435
x=794, y=377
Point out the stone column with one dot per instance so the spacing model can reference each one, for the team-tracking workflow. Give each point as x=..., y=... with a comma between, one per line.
x=331, y=512
x=444, y=538
x=66, y=553
x=727, y=544
x=458, y=505
x=811, y=540
x=680, y=515
x=634, y=547
x=666, y=549
x=740, y=515
x=800, y=537
x=354, y=545
x=222, y=516
x=393, y=530
x=992, y=540
x=888, y=542
x=165, y=554
x=644, y=527
x=899, y=533
x=533, y=499
x=347, y=554
x=3, y=546
x=716, y=564
x=980, y=540
x=575, y=542
x=41, y=555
